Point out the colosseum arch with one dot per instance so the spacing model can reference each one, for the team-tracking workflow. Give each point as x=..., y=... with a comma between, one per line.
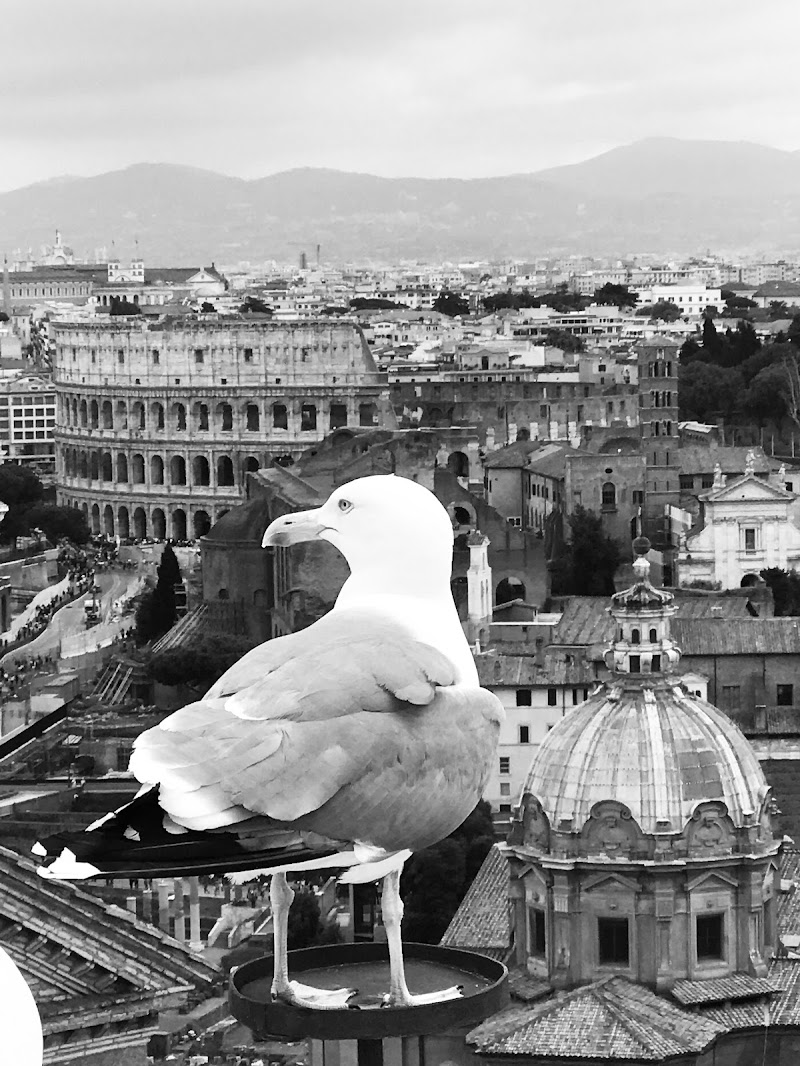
x=280, y=416
x=123, y=523
x=177, y=470
x=94, y=415
x=159, y=524
x=137, y=469
x=225, y=470
x=224, y=417
x=201, y=524
x=122, y=467
x=338, y=416
x=201, y=474
x=308, y=417
x=74, y=411
x=122, y=414
x=179, y=524
x=107, y=414
x=138, y=415
x=107, y=467
x=179, y=417
x=139, y=523
x=253, y=418
x=108, y=520
x=510, y=588
x=458, y=464
x=156, y=470
x=200, y=415
x=157, y=415
x=251, y=464
x=84, y=465
x=85, y=510
x=94, y=467
x=95, y=520
x=84, y=414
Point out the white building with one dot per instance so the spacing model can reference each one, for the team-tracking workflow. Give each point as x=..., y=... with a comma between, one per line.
x=748, y=527
x=690, y=299
x=27, y=420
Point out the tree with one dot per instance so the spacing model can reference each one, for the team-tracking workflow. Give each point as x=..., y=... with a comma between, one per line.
x=19, y=486
x=706, y=391
x=121, y=306
x=200, y=662
x=451, y=304
x=663, y=310
x=57, y=523
x=436, y=879
x=3, y=316
x=252, y=305
x=778, y=309
x=591, y=559
x=712, y=342
x=377, y=303
x=615, y=295
x=764, y=398
x=737, y=303
x=567, y=342
x=785, y=585
x=793, y=332
x=207, y=308
x=157, y=612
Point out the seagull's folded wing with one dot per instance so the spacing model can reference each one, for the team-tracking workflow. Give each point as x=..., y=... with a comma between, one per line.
x=322, y=712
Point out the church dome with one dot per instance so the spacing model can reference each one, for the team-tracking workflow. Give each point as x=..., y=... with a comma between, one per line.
x=643, y=766
x=652, y=748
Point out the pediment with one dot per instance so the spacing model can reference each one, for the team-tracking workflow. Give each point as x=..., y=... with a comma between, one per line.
x=712, y=879
x=748, y=487
x=611, y=880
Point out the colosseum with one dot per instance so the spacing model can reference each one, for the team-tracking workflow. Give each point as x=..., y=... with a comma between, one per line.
x=159, y=423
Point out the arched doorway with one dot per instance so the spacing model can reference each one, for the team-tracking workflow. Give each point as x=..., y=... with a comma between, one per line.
x=179, y=524
x=139, y=523
x=95, y=518
x=510, y=588
x=750, y=581
x=123, y=523
x=159, y=524
x=108, y=520
x=458, y=464
x=201, y=524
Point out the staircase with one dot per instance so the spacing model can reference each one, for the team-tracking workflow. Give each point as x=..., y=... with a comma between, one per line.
x=114, y=683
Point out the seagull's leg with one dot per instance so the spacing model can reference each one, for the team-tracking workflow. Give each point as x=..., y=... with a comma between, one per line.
x=280, y=897
x=392, y=909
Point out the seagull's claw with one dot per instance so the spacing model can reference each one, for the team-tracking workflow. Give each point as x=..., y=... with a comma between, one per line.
x=314, y=998
x=406, y=999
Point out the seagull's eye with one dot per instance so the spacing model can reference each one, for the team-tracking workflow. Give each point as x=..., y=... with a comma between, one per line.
x=345, y=505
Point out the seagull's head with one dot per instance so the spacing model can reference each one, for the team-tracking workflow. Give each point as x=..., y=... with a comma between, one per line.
x=378, y=523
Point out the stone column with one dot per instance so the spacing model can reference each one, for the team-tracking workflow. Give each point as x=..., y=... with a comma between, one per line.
x=180, y=925
x=162, y=887
x=195, y=942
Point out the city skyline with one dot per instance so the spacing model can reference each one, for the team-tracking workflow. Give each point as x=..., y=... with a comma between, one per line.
x=450, y=90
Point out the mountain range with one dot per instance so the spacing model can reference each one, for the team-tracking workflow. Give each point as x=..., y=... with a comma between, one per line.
x=659, y=195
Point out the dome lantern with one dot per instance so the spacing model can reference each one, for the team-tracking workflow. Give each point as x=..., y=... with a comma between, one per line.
x=642, y=642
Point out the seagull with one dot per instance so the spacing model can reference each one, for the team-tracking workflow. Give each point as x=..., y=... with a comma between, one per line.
x=348, y=745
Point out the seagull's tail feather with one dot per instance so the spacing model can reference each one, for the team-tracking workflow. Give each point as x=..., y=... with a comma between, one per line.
x=139, y=841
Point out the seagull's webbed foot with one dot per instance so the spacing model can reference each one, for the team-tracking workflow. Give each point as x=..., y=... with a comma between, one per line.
x=315, y=998
x=404, y=998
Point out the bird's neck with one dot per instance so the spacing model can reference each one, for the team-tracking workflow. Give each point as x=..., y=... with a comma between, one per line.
x=429, y=614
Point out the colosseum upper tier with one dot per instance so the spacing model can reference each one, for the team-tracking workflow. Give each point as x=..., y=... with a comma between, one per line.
x=159, y=423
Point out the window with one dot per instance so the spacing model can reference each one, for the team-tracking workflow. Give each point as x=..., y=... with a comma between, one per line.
x=198, y=355
x=537, y=944
x=505, y=788
x=637, y=496
x=505, y=764
x=655, y=666
x=749, y=540
x=612, y=941
x=524, y=734
x=120, y=357
x=523, y=697
x=552, y=697
x=635, y=638
x=575, y=699
x=609, y=495
x=653, y=636
x=710, y=929
x=784, y=695
x=248, y=355
x=156, y=355
x=635, y=664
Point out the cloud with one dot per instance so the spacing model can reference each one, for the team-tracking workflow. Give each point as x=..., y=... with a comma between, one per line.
x=455, y=87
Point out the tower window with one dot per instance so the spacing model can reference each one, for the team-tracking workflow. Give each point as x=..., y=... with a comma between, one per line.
x=612, y=942
x=710, y=928
x=538, y=932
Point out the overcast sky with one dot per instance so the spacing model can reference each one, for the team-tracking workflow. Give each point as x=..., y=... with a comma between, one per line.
x=433, y=88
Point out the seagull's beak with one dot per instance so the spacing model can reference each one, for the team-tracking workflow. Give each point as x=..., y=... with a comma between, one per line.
x=293, y=528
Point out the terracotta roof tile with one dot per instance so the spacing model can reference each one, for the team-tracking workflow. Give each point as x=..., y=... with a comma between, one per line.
x=611, y=1019
x=736, y=986
x=482, y=920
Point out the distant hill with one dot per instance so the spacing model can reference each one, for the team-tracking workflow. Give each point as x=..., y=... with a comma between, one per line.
x=659, y=195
